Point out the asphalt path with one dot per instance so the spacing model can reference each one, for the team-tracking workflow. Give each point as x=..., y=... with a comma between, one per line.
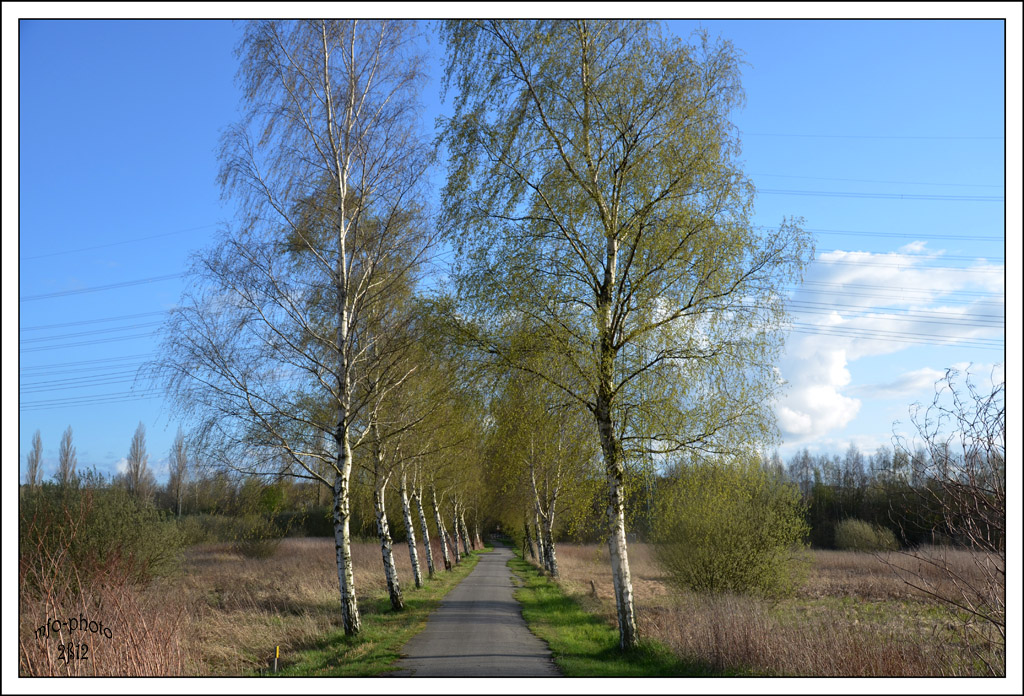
x=478, y=631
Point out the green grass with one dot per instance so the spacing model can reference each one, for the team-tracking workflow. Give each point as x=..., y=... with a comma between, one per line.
x=384, y=632
x=583, y=644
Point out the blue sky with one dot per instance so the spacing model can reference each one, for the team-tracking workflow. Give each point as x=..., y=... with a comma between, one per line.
x=885, y=136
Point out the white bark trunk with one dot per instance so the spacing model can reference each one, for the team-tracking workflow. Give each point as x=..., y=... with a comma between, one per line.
x=441, y=531
x=343, y=546
x=552, y=560
x=528, y=539
x=386, y=550
x=622, y=582
x=538, y=533
x=455, y=532
x=426, y=533
x=410, y=532
x=465, y=532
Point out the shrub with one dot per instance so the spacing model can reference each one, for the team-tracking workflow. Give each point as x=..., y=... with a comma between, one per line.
x=76, y=534
x=731, y=528
x=257, y=537
x=858, y=535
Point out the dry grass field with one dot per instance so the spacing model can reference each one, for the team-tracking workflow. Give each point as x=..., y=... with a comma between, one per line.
x=852, y=617
x=222, y=614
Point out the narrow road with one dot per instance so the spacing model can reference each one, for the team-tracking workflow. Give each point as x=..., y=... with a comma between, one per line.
x=478, y=631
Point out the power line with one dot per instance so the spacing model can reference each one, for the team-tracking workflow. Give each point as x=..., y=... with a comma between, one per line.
x=879, y=137
x=77, y=363
x=986, y=320
x=85, y=322
x=918, y=257
x=909, y=266
x=129, y=327
x=110, y=244
x=909, y=320
x=899, y=235
x=85, y=401
x=973, y=293
x=89, y=343
x=98, y=288
x=879, y=181
x=897, y=337
x=888, y=196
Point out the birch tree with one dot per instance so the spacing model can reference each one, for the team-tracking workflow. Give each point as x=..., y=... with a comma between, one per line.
x=543, y=444
x=594, y=199
x=269, y=353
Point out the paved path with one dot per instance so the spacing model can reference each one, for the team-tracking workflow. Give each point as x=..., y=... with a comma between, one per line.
x=478, y=631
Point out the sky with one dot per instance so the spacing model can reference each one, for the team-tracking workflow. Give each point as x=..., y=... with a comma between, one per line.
x=886, y=137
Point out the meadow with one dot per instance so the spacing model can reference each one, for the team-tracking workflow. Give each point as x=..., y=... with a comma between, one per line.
x=223, y=613
x=852, y=617
x=220, y=614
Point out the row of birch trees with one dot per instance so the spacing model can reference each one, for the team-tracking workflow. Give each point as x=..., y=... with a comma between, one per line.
x=610, y=301
x=301, y=347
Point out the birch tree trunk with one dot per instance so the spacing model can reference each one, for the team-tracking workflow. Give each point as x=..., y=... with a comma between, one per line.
x=441, y=531
x=455, y=531
x=387, y=552
x=410, y=532
x=465, y=532
x=527, y=539
x=342, y=540
x=418, y=496
x=552, y=561
x=622, y=582
x=542, y=553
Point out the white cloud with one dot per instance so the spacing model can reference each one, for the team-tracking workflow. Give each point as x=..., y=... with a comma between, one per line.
x=121, y=465
x=912, y=248
x=862, y=307
x=813, y=404
x=909, y=384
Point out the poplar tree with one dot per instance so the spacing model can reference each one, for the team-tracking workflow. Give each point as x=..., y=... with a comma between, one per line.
x=33, y=475
x=67, y=461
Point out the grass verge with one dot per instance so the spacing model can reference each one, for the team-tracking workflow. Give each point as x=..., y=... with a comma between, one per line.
x=383, y=633
x=583, y=644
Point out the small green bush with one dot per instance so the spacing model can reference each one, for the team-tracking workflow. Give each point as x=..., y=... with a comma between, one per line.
x=858, y=535
x=71, y=535
x=257, y=536
x=731, y=528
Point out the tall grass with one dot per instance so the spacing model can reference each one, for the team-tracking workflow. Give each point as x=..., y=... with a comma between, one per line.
x=852, y=617
x=242, y=608
x=73, y=578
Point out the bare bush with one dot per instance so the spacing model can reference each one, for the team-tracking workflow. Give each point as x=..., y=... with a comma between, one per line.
x=962, y=482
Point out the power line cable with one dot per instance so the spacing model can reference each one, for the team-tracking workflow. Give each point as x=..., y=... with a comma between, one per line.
x=110, y=244
x=89, y=343
x=910, y=266
x=86, y=322
x=866, y=286
x=129, y=327
x=898, y=235
x=879, y=181
x=77, y=363
x=919, y=257
x=98, y=288
x=878, y=137
x=886, y=196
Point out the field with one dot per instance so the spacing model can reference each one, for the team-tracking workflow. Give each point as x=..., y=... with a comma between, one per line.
x=222, y=614
x=851, y=618
x=225, y=614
